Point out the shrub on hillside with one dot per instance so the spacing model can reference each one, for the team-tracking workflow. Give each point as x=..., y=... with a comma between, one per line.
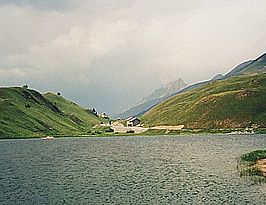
x=27, y=106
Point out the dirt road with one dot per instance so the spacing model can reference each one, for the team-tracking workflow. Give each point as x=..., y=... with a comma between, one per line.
x=177, y=127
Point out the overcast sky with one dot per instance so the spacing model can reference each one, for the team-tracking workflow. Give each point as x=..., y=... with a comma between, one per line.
x=109, y=54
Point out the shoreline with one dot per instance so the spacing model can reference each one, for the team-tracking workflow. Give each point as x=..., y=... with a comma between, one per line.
x=147, y=133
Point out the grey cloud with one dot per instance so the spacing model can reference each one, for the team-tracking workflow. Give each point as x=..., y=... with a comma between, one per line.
x=109, y=54
x=41, y=4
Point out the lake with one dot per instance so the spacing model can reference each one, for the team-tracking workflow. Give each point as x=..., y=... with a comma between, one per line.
x=129, y=170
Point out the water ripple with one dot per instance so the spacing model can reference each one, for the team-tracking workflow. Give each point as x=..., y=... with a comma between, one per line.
x=128, y=170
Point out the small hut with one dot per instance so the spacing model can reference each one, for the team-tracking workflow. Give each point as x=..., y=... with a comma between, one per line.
x=133, y=121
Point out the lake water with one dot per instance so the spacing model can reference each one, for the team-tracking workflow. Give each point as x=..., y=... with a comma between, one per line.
x=128, y=170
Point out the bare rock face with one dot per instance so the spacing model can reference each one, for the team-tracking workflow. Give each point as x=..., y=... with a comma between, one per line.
x=166, y=90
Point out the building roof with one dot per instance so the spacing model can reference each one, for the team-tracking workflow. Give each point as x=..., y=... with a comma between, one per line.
x=131, y=119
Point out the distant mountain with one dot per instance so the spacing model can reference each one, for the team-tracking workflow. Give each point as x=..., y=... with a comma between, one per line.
x=153, y=99
x=166, y=90
x=218, y=77
x=139, y=109
x=248, y=67
x=235, y=102
x=28, y=113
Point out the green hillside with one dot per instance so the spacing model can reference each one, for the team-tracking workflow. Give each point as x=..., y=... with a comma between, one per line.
x=76, y=113
x=27, y=113
x=232, y=103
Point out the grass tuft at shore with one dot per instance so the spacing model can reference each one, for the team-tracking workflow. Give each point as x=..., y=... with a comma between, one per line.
x=253, y=165
x=252, y=157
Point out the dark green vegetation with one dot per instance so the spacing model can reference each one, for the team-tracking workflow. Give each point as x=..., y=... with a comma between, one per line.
x=252, y=157
x=252, y=164
x=27, y=113
x=237, y=102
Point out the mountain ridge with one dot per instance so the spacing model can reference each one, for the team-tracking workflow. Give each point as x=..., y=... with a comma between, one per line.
x=247, y=67
x=166, y=90
x=236, y=102
x=154, y=98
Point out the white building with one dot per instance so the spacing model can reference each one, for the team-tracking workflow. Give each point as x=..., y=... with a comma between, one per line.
x=133, y=121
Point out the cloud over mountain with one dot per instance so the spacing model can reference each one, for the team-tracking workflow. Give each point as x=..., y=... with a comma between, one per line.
x=98, y=52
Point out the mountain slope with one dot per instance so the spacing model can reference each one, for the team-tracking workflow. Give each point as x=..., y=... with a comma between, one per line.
x=238, y=69
x=73, y=111
x=258, y=65
x=159, y=95
x=140, y=109
x=235, y=102
x=25, y=112
x=252, y=66
x=249, y=67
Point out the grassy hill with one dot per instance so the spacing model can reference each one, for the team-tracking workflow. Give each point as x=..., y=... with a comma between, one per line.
x=27, y=113
x=76, y=113
x=232, y=103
